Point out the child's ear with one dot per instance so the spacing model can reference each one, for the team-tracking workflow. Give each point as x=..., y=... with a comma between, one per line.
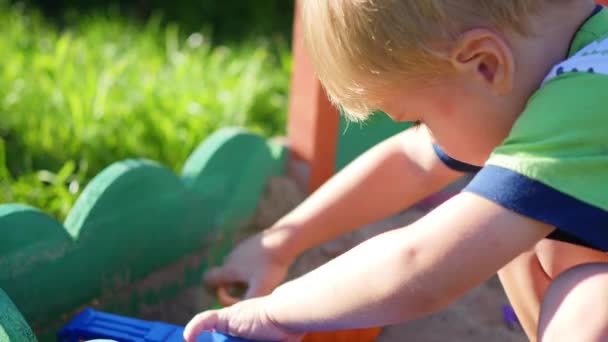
x=485, y=56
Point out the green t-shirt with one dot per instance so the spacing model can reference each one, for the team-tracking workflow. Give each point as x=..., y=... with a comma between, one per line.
x=553, y=167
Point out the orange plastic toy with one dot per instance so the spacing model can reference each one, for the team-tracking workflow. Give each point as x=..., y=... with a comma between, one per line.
x=361, y=335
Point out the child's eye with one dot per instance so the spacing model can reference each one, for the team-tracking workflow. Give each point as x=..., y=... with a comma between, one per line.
x=417, y=123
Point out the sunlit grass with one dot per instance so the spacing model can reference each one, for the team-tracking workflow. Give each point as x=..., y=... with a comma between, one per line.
x=73, y=101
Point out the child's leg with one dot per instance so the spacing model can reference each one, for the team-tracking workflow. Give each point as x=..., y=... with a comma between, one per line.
x=524, y=282
x=575, y=306
x=527, y=277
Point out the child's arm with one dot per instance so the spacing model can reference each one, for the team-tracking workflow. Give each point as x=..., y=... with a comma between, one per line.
x=383, y=181
x=386, y=179
x=399, y=275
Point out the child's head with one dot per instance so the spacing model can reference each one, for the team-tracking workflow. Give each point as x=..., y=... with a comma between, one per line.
x=360, y=47
x=367, y=53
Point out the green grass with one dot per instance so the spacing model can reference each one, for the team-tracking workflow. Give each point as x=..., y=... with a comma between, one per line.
x=73, y=101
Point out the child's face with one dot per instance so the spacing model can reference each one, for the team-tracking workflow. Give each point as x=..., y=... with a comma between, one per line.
x=470, y=110
x=465, y=118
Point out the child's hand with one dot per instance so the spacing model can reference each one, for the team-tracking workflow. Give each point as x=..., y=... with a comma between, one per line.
x=247, y=319
x=254, y=263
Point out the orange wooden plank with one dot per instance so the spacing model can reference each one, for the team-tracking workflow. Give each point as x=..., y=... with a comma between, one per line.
x=313, y=122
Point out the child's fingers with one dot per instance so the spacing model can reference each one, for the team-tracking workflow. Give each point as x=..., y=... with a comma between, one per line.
x=219, y=276
x=259, y=287
x=224, y=296
x=204, y=321
x=253, y=291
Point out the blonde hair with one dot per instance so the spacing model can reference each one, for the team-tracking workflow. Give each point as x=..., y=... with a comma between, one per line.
x=360, y=47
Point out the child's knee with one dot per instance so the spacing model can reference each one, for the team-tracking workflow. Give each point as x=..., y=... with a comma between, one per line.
x=556, y=257
x=574, y=306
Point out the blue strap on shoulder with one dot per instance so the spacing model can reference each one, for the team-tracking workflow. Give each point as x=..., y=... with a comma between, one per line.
x=454, y=164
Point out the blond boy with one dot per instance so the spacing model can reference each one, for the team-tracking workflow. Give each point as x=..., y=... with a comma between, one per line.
x=520, y=87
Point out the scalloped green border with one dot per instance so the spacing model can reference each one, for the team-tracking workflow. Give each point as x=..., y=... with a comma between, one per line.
x=135, y=217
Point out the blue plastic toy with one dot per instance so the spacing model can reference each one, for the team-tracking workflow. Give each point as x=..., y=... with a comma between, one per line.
x=91, y=324
x=509, y=316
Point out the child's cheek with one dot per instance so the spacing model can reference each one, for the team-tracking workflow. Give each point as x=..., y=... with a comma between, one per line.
x=446, y=109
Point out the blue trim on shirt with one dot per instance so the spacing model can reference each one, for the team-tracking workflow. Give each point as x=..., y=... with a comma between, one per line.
x=454, y=164
x=596, y=10
x=576, y=221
